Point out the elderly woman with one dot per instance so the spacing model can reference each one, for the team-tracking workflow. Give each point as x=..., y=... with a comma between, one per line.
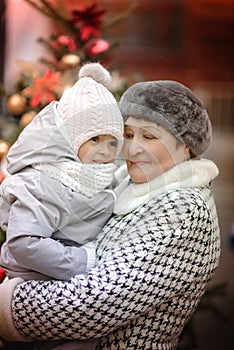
x=157, y=252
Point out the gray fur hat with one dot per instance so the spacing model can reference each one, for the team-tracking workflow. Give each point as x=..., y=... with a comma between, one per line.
x=172, y=106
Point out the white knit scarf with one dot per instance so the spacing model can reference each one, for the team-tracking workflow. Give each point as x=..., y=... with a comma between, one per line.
x=87, y=179
x=192, y=173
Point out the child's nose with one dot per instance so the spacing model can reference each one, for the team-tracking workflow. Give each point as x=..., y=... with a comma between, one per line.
x=104, y=148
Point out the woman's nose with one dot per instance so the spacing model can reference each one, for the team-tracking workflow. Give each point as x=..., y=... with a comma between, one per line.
x=134, y=147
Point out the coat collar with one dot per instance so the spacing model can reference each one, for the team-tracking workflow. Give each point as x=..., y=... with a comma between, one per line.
x=192, y=173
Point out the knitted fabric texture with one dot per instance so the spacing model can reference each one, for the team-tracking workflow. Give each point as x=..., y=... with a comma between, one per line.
x=172, y=106
x=87, y=179
x=89, y=109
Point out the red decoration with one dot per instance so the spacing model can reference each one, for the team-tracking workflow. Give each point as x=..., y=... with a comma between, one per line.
x=89, y=20
x=2, y=275
x=96, y=46
x=65, y=40
x=43, y=89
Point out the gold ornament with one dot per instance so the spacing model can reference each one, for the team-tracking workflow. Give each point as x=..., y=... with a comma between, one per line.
x=27, y=118
x=70, y=60
x=4, y=147
x=17, y=104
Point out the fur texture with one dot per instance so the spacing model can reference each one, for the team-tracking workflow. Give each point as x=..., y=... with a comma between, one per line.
x=172, y=106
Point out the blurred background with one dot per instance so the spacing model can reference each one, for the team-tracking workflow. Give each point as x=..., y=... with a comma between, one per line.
x=43, y=44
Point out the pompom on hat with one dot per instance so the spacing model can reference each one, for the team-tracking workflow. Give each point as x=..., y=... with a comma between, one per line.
x=89, y=109
x=172, y=106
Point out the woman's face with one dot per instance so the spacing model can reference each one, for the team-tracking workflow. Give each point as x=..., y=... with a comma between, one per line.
x=150, y=150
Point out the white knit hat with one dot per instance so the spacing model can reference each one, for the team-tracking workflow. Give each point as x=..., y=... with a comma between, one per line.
x=89, y=109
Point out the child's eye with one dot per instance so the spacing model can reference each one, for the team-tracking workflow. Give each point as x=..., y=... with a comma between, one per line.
x=95, y=139
x=113, y=143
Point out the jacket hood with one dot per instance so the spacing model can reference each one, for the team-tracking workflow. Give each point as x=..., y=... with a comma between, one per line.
x=44, y=140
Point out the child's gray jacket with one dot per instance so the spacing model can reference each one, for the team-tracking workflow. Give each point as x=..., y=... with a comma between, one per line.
x=47, y=222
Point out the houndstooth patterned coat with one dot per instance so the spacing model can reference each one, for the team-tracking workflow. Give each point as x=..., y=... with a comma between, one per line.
x=153, y=266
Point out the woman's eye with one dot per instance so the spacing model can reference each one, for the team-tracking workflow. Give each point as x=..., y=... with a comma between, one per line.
x=128, y=135
x=95, y=139
x=149, y=136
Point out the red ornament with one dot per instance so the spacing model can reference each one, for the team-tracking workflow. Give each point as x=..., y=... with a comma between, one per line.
x=65, y=40
x=96, y=46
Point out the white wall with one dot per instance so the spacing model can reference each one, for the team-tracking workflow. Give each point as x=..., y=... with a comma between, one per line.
x=24, y=25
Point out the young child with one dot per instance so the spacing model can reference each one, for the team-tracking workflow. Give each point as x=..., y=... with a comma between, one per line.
x=57, y=197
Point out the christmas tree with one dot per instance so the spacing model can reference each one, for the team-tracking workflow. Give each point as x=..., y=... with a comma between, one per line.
x=79, y=35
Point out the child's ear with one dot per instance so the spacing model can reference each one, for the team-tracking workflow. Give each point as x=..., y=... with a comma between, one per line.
x=186, y=153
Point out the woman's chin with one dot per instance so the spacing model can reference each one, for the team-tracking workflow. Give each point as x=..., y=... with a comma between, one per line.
x=137, y=176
